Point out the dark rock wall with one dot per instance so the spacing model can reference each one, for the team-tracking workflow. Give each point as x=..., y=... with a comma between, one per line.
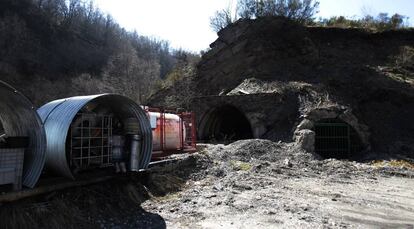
x=346, y=63
x=366, y=73
x=272, y=48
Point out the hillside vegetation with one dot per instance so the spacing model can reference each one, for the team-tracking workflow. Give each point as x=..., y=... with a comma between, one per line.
x=58, y=48
x=303, y=12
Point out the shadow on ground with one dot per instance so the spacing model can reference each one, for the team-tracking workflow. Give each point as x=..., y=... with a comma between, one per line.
x=113, y=204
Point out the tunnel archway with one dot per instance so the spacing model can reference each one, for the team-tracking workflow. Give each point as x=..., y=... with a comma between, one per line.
x=1, y=128
x=225, y=124
x=335, y=138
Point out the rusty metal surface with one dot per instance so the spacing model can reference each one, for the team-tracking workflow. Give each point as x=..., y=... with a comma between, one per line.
x=19, y=118
x=59, y=114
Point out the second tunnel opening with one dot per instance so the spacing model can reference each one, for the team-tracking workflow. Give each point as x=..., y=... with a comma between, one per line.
x=225, y=124
x=337, y=139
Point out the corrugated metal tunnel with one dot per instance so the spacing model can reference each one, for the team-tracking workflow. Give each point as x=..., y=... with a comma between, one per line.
x=19, y=120
x=335, y=138
x=224, y=124
x=86, y=132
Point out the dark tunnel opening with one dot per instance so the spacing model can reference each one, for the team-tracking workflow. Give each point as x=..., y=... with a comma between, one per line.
x=225, y=124
x=1, y=129
x=335, y=138
x=2, y=135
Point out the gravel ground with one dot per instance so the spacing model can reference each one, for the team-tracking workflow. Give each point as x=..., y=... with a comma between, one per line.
x=262, y=184
x=246, y=184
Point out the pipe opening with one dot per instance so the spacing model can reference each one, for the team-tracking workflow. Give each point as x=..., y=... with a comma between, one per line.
x=21, y=130
x=88, y=132
x=225, y=124
x=335, y=138
x=102, y=135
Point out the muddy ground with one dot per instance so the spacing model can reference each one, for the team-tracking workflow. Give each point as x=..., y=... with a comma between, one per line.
x=247, y=184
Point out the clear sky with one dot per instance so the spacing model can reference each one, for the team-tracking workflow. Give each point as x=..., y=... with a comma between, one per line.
x=185, y=23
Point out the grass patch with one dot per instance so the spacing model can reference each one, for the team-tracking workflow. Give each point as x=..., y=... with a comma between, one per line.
x=394, y=164
x=240, y=166
x=168, y=197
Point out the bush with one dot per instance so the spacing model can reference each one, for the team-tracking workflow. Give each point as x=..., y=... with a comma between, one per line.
x=301, y=11
x=380, y=23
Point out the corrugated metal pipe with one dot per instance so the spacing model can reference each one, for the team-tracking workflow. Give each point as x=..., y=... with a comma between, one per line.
x=59, y=115
x=19, y=119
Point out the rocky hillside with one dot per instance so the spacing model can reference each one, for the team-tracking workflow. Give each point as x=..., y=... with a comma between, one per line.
x=276, y=49
x=368, y=74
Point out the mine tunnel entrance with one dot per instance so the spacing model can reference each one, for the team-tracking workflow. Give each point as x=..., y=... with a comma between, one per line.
x=335, y=138
x=1, y=129
x=2, y=136
x=225, y=124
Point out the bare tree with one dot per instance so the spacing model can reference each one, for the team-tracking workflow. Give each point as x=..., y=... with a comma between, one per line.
x=246, y=8
x=301, y=11
x=221, y=19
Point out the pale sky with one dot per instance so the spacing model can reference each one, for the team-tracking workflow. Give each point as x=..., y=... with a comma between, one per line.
x=185, y=23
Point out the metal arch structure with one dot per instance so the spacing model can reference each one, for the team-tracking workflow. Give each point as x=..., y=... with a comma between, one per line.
x=19, y=118
x=58, y=115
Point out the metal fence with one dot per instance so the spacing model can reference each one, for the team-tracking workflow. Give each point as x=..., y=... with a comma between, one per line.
x=90, y=141
x=336, y=139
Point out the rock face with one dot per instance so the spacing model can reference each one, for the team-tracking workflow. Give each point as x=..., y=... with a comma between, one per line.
x=363, y=78
x=305, y=140
x=277, y=49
